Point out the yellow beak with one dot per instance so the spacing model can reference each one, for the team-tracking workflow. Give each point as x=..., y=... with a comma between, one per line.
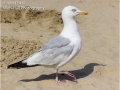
x=84, y=13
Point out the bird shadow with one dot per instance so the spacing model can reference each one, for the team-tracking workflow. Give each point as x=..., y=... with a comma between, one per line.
x=80, y=73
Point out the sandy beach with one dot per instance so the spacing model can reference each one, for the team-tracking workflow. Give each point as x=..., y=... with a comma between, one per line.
x=24, y=32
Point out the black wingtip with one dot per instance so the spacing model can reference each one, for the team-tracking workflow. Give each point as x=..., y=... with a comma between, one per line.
x=19, y=65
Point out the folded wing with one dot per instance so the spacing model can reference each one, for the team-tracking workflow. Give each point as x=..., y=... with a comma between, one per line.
x=53, y=52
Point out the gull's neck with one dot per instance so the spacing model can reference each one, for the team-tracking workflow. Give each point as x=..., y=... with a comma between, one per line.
x=70, y=27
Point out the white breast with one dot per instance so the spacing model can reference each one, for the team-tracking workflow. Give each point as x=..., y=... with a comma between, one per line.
x=76, y=42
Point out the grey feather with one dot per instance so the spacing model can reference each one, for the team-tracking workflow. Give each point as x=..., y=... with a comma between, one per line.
x=56, y=55
x=56, y=42
x=53, y=52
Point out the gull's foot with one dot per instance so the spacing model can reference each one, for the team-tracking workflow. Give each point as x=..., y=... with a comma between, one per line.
x=69, y=74
x=64, y=73
x=60, y=81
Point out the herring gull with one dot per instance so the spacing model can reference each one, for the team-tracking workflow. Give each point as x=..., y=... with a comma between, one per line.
x=59, y=50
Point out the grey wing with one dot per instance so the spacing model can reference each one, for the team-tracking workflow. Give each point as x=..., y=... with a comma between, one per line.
x=56, y=55
x=53, y=52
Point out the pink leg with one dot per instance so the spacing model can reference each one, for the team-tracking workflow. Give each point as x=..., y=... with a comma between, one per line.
x=67, y=73
x=57, y=80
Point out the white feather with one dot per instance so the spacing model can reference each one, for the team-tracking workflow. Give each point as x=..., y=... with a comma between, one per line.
x=63, y=48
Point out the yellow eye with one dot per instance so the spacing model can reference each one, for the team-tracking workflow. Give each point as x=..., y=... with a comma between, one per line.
x=73, y=10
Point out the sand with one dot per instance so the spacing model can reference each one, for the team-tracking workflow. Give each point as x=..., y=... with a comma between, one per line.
x=23, y=32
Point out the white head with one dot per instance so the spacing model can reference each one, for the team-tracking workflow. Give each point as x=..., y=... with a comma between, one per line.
x=71, y=12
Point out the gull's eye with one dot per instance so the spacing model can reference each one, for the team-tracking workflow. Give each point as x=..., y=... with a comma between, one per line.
x=73, y=10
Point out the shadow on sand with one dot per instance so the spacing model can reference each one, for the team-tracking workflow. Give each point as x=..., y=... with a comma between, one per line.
x=80, y=73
